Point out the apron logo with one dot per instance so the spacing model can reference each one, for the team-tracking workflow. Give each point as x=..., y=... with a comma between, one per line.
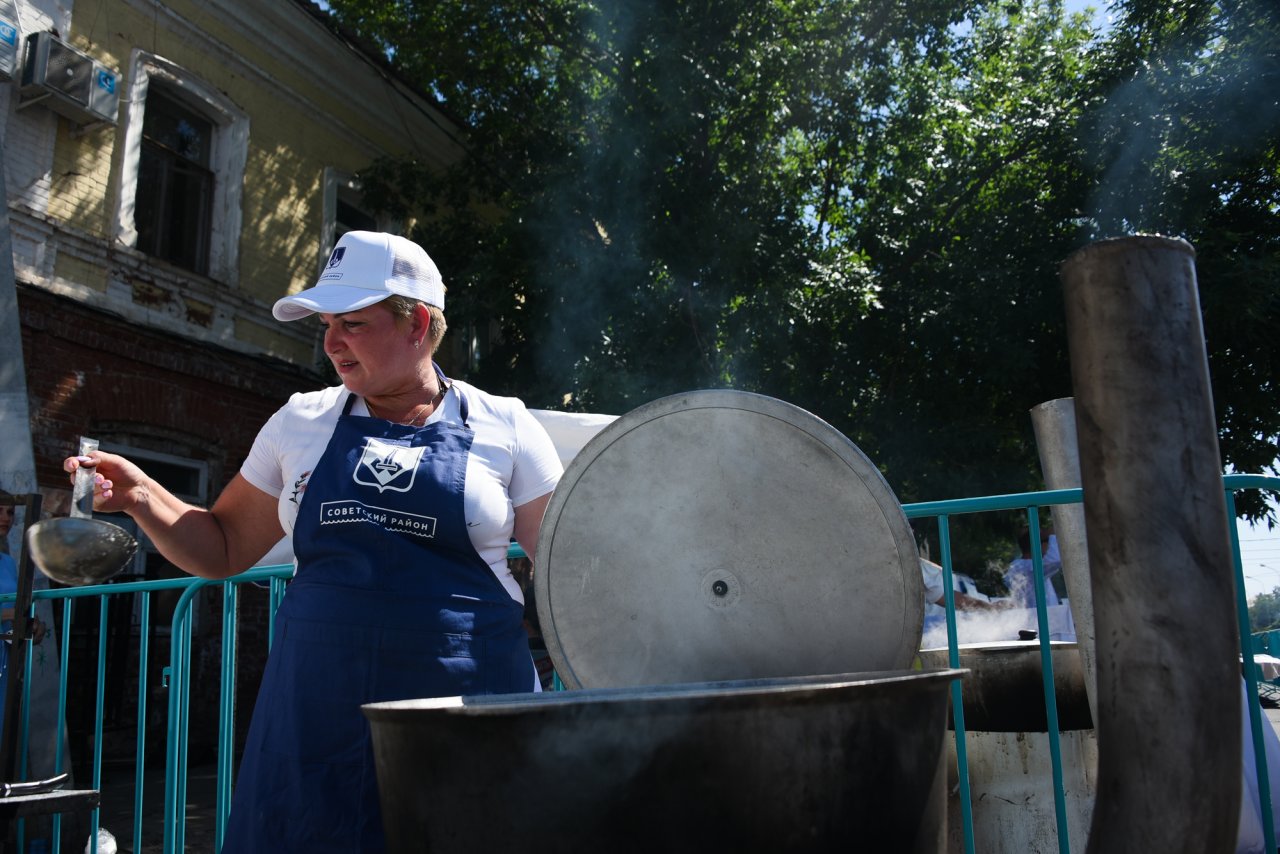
x=387, y=518
x=385, y=466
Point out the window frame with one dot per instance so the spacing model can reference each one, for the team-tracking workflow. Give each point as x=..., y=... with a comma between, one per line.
x=345, y=186
x=227, y=157
x=174, y=165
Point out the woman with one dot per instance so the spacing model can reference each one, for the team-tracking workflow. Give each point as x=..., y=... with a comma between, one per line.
x=402, y=490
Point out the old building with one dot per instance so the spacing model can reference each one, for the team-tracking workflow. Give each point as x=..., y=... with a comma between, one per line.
x=171, y=170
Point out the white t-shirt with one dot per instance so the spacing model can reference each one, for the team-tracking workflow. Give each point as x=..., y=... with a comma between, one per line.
x=934, y=589
x=934, y=586
x=512, y=461
x=1020, y=579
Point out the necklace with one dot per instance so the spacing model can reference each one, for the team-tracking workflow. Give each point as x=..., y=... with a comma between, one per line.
x=419, y=414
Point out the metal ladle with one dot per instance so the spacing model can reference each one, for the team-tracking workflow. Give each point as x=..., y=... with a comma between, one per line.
x=79, y=550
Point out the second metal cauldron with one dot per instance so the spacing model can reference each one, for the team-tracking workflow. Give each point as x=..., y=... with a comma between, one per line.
x=1004, y=686
x=821, y=763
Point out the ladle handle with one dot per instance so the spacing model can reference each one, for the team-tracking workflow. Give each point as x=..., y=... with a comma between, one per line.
x=82, y=490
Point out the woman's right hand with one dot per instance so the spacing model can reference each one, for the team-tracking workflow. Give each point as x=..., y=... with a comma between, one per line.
x=214, y=543
x=118, y=484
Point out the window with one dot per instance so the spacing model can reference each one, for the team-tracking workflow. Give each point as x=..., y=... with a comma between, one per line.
x=345, y=210
x=184, y=149
x=350, y=217
x=174, y=199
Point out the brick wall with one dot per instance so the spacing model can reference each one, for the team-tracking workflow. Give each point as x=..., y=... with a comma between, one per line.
x=89, y=372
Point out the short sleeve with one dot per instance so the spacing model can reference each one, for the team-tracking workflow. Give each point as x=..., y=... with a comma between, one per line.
x=934, y=585
x=536, y=466
x=262, y=467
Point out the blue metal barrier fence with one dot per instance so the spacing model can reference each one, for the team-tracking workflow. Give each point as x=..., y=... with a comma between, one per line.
x=177, y=675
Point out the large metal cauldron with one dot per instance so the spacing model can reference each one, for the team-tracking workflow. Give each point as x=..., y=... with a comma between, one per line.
x=823, y=763
x=704, y=561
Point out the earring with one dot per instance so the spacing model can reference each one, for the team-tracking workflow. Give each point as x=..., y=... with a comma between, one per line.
x=417, y=343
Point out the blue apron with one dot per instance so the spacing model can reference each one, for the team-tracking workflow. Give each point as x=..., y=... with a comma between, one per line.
x=390, y=602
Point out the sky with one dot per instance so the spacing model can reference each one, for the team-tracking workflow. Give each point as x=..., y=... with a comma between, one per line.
x=1259, y=557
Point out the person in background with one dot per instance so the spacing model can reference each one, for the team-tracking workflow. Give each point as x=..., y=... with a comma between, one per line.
x=6, y=523
x=9, y=585
x=935, y=596
x=402, y=490
x=1019, y=578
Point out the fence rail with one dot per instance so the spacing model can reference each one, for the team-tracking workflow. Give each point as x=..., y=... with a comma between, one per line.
x=176, y=676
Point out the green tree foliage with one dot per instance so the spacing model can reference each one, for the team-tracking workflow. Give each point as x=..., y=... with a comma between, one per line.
x=859, y=206
x=1264, y=611
x=1187, y=142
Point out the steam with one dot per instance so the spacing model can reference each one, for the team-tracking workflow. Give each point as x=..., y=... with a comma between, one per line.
x=999, y=626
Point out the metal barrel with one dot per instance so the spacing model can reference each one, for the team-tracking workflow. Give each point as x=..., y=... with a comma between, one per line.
x=1054, y=422
x=1163, y=594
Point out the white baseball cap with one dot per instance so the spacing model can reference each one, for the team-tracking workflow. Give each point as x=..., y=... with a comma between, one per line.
x=367, y=267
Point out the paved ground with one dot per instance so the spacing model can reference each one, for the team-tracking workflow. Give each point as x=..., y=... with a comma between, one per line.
x=117, y=812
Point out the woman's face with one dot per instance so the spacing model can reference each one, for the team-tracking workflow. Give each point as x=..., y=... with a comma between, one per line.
x=371, y=350
x=6, y=520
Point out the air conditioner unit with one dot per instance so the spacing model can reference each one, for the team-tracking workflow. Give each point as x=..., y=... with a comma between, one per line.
x=67, y=81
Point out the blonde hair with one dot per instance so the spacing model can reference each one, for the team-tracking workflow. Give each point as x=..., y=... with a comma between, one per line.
x=402, y=309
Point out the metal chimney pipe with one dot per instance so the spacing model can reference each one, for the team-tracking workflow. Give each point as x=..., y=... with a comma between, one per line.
x=1163, y=594
x=1054, y=422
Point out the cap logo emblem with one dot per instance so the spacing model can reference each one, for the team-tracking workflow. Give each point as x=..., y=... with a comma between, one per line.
x=336, y=258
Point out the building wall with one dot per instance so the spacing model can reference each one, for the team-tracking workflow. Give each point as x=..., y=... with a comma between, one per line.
x=90, y=368
x=313, y=106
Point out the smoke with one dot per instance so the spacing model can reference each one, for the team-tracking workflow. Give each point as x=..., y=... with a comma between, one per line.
x=1184, y=121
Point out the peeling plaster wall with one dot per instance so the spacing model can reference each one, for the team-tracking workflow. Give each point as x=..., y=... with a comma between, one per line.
x=310, y=106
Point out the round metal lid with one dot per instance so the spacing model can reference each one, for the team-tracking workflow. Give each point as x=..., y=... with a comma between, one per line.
x=718, y=535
